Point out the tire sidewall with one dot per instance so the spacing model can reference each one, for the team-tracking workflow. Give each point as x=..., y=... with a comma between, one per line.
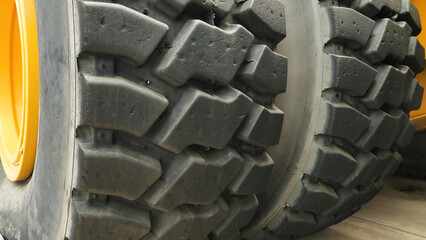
x=37, y=208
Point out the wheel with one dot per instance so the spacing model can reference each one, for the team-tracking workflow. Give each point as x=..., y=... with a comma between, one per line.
x=350, y=88
x=160, y=119
x=154, y=119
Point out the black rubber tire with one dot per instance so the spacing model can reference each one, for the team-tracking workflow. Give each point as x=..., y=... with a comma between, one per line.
x=351, y=69
x=155, y=117
x=413, y=163
x=37, y=208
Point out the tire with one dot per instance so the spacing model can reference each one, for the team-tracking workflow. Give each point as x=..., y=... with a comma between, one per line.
x=166, y=127
x=413, y=158
x=154, y=120
x=351, y=72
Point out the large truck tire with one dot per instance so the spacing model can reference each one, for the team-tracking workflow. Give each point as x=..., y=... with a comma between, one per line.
x=154, y=120
x=351, y=87
x=164, y=119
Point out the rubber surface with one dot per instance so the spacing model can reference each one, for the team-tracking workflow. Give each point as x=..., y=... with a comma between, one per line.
x=368, y=89
x=175, y=130
x=154, y=120
x=174, y=113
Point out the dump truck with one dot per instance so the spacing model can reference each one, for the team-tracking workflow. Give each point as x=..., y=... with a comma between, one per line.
x=201, y=119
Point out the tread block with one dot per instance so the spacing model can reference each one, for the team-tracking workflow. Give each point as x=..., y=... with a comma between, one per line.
x=265, y=71
x=266, y=18
x=415, y=57
x=113, y=221
x=389, y=87
x=262, y=126
x=175, y=7
x=288, y=222
x=406, y=133
x=310, y=196
x=340, y=120
x=370, y=168
x=331, y=163
x=194, y=178
x=117, y=171
x=350, y=27
x=188, y=222
x=205, y=52
x=410, y=14
x=112, y=29
x=221, y=8
x=351, y=198
x=388, y=40
x=132, y=108
x=241, y=210
x=205, y=119
x=383, y=130
x=394, y=161
x=351, y=76
x=413, y=99
x=371, y=8
x=254, y=175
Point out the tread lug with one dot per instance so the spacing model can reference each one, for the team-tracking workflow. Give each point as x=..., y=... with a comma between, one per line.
x=205, y=52
x=113, y=221
x=349, y=26
x=413, y=98
x=415, y=57
x=394, y=161
x=370, y=168
x=353, y=197
x=371, y=8
x=337, y=118
x=204, y=119
x=254, y=175
x=406, y=133
x=175, y=7
x=314, y=197
x=188, y=222
x=351, y=76
x=117, y=171
x=194, y=178
x=264, y=71
x=262, y=126
x=383, y=130
x=242, y=209
x=388, y=40
x=133, y=108
x=264, y=17
x=389, y=87
x=331, y=163
x=112, y=29
x=288, y=222
x=410, y=14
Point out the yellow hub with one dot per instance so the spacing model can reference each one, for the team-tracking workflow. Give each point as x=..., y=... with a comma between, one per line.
x=19, y=88
x=419, y=116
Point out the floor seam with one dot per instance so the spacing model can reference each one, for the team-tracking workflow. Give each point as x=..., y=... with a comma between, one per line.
x=393, y=228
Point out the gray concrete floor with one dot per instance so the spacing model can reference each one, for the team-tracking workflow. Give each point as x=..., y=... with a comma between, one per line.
x=397, y=213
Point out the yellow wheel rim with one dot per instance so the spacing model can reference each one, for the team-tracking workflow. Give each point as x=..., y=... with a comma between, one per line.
x=419, y=116
x=19, y=88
